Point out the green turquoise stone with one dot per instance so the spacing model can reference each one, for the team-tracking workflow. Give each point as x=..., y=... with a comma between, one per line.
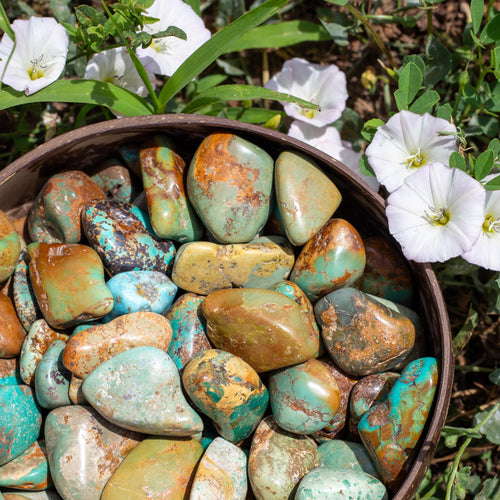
x=229, y=183
x=361, y=335
x=172, y=215
x=324, y=483
x=345, y=455
x=139, y=389
x=10, y=247
x=20, y=420
x=28, y=471
x=115, y=180
x=52, y=379
x=334, y=257
x=9, y=372
x=391, y=429
x=227, y=390
x=299, y=185
x=304, y=398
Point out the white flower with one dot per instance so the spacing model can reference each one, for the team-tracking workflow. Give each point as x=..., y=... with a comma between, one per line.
x=321, y=85
x=407, y=142
x=327, y=139
x=116, y=66
x=170, y=52
x=39, y=55
x=486, y=251
x=437, y=213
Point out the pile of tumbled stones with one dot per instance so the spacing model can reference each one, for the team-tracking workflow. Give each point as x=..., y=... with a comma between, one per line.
x=158, y=339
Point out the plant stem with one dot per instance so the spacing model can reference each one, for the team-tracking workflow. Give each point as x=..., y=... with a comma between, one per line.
x=369, y=28
x=431, y=492
x=465, y=444
x=472, y=368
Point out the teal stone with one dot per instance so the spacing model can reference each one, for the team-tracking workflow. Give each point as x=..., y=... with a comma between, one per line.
x=333, y=258
x=229, y=182
x=25, y=302
x=122, y=241
x=9, y=372
x=346, y=455
x=28, y=471
x=361, y=335
x=20, y=420
x=84, y=450
x=391, y=429
x=136, y=291
x=52, y=380
x=324, y=483
x=188, y=329
x=304, y=398
x=172, y=215
x=139, y=389
x=115, y=180
x=227, y=390
x=130, y=155
x=299, y=184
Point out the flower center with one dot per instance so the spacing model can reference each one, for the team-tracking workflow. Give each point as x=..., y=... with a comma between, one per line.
x=116, y=79
x=491, y=225
x=308, y=113
x=37, y=69
x=161, y=45
x=438, y=216
x=415, y=160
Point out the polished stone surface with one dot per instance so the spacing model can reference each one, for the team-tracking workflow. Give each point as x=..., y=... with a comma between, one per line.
x=11, y=330
x=9, y=372
x=115, y=180
x=10, y=247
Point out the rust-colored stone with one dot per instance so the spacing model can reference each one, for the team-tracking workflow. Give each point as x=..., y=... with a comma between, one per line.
x=11, y=330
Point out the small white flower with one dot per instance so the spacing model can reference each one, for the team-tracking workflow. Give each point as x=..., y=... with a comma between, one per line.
x=39, y=55
x=407, y=142
x=328, y=140
x=486, y=251
x=170, y=52
x=437, y=213
x=116, y=66
x=321, y=85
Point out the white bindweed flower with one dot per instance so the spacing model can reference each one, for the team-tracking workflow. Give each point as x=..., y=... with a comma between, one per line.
x=39, y=56
x=170, y=52
x=116, y=66
x=437, y=213
x=407, y=142
x=321, y=85
x=328, y=140
x=486, y=251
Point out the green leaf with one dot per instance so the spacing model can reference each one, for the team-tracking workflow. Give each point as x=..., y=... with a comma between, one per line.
x=438, y=62
x=370, y=127
x=105, y=94
x=494, y=145
x=491, y=428
x=280, y=35
x=415, y=59
x=338, y=2
x=491, y=32
x=476, y=10
x=484, y=164
x=458, y=161
x=495, y=377
x=493, y=185
x=338, y=25
x=61, y=11
x=425, y=102
x=5, y=24
x=461, y=482
x=462, y=338
x=241, y=93
x=88, y=16
x=410, y=81
x=213, y=48
x=490, y=490
x=401, y=99
x=452, y=434
x=365, y=167
x=444, y=111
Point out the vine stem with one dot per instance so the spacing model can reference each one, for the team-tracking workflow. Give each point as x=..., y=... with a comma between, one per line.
x=465, y=444
x=368, y=26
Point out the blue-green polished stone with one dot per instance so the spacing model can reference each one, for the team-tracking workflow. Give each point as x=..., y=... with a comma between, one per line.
x=229, y=184
x=20, y=420
x=324, y=483
x=9, y=372
x=52, y=380
x=338, y=454
x=136, y=291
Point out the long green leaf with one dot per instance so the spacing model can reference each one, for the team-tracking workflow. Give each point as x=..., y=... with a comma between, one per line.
x=216, y=46
x=242, y=93
x=281, y=35
x=4, y=23
x=105, y=94
x=476, y=10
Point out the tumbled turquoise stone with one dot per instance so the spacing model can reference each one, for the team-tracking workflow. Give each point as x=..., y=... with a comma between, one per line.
x=20, y=420
x=229, y=183
x=136, y=291
x=122, y=241
x=227, y=390
x=33, y=495
x=10, y=247
x=52, y=379
x=130, y=155
x=299, y=185
x=341, y=455
x=115, y=180
x=324, y=483
x=172, y=215
x=9, y=372
x=333, y=258
x=139, y=389
x=391, y=429
x=188, y=329
x=28, y=471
